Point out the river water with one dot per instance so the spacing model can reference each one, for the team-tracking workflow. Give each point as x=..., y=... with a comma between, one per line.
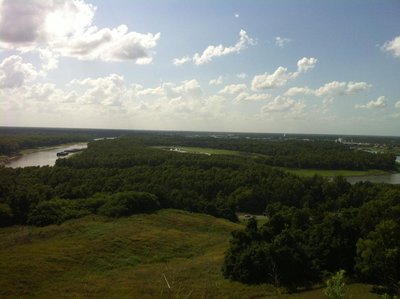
x=43, y=156
x=392, y=178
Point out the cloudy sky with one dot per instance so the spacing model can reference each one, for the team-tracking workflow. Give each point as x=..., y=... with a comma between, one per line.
x=254, y=66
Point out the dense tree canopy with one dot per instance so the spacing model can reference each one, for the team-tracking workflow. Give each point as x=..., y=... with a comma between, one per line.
x=300, y=243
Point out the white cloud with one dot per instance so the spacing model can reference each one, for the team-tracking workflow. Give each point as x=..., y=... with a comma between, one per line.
x=281, y=75
x=336, y=88
x=107, y=91
x=242, y=76
x=233, y=89
x=180, y=61
x=392, y=46
x=217, y=81
x=282, y=41
x=49, y=59
x=216, y=51
x=331, y=89
x=282, y=104
x=66, y=28
x=14, y=73
x=379, y=103
x=274, y=80
x=294, y=91
x=29, y=23
x=244, y=96
x=110, y=45
x=305, y=64
x=397, y=105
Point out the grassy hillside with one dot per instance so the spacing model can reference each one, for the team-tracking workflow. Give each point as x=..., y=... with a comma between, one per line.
x=130, y=257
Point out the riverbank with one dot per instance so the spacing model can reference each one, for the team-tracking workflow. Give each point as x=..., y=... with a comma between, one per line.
x=4, y=160
x=40, y=156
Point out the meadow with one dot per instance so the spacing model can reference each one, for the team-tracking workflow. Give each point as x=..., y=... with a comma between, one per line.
x=168, y=254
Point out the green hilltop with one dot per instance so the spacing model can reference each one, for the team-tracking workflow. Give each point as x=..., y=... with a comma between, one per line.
x=168, y=254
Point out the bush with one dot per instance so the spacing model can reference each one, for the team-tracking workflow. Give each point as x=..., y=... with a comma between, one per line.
x=335, y=286
x=94, y=203
x=54, y=211
x=128, y=203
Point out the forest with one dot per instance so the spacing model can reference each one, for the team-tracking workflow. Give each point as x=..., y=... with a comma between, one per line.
x=315, y=226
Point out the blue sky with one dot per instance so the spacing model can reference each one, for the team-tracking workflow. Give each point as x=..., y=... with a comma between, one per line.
x=255, y=66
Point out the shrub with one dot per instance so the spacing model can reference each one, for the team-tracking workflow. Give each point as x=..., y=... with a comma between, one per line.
x=54, y=211
x=128, y=203
x=335, y=286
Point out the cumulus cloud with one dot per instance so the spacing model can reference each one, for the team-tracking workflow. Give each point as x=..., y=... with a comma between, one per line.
x=336, y=88
x=242, y=76
x=180, y=61
x=282, y=104
x=107, y=91
x=110, y=45
x=246, y=97
x=233, y=89
x=305, y=64
x=49, y=59
x=331, y=89
x=294, y=91
x=216, y=51
x=379, y=103
x=397, y=105
x=281, y=75
x=282, y=41
x=217, y=81
x=392, y=46
x=14, y=72
x=65, y=28
x=274, y=80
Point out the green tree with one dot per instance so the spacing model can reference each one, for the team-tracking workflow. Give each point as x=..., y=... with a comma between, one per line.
x=335, y=286
x=378, y=255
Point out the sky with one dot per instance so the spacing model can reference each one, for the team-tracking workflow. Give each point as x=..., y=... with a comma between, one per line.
x=273, y=66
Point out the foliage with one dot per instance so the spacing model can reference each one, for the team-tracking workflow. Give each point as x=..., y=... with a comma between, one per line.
x=54, y=211
x=128, y=203
x=335, y=286
x=378, y=255
x=333, y=226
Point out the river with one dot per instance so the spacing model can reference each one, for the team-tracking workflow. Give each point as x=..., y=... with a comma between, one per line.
x=391, y=178
x=43, y=156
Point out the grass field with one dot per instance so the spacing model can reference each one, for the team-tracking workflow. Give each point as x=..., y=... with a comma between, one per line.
x=200, y=150
x=332, y=173
x=134, y=257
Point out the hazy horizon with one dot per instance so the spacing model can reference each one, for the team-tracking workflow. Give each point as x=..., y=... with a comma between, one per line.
x=296, y=67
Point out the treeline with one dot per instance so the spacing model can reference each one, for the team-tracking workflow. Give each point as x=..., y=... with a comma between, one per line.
x=12, y=144
x=215, y=185
x=333, y=226
x=313, y=154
